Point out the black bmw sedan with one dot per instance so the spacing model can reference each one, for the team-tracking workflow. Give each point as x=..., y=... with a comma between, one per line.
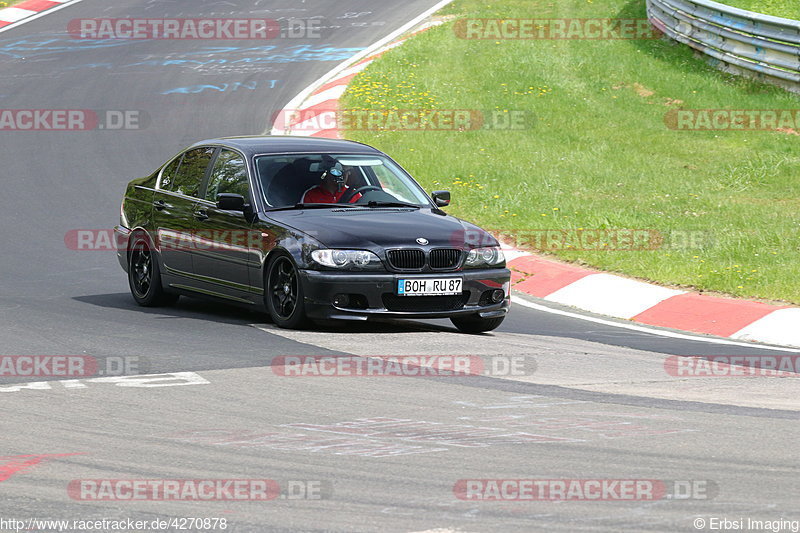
x=308, y=228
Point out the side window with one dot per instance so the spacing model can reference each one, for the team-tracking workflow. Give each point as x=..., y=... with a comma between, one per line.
x=191, y=171
x=229, y=175
x=168, y=174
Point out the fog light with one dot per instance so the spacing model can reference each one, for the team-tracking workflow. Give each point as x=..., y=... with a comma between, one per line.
x=498, y=295
x=341, y=300
x=358, y=301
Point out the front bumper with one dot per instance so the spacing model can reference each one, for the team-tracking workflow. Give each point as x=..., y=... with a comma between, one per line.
x=379, y=295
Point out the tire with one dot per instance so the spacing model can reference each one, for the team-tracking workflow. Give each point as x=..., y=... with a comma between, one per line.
x=476, y=324
x=283, y=294
x=144, y=275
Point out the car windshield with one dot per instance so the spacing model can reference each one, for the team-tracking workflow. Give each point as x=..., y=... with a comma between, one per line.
x=371, y=181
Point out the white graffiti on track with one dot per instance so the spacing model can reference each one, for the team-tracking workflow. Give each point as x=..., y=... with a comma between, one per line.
x=586, y=425
x=439, y=433
x=387, y=437
x=522, y=402
x=301, y=442
x=368, y=437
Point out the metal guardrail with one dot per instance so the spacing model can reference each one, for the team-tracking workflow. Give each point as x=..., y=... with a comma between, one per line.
x=736, y=40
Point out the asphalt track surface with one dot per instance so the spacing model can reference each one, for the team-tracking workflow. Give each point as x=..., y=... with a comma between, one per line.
x=599, y=404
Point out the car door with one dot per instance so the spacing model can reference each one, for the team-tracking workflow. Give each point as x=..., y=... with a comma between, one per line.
x=227, y=244
x=174, y=211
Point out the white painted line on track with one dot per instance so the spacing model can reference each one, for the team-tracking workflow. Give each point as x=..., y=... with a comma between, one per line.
x=644, y=329
x=330, y=94
x=517, y=300
x=355, y=69
x=147, y=381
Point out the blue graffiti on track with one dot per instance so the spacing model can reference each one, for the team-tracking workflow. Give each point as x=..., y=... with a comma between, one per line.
x=235, y=86
x=255, y=55
x=37, y=46
x=241, y=57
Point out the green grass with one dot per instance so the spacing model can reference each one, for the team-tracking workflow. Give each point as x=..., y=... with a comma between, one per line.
x=8, y=3
x=599, y=154
x=779, y=8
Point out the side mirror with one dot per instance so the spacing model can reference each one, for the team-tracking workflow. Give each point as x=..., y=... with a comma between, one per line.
x=441, y=198
x=230, y=202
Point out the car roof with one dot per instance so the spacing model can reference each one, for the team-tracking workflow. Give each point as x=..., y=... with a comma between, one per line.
x=276, y=144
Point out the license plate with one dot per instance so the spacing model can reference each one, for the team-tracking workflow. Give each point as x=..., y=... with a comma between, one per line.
x=429, y=286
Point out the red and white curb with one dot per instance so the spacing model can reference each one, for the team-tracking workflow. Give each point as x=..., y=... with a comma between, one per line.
x=620, y=297
x=313, y=113
x=28, y=10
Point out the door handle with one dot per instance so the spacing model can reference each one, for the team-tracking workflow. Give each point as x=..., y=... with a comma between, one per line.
x=201, y=215
x=160, y=205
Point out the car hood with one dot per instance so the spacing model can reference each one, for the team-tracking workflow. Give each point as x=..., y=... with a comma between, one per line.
x=381, y=228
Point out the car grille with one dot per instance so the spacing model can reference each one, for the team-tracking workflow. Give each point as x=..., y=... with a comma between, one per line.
x=414, y=259
x=420, y=304
x=445, y=258
x=407, y=259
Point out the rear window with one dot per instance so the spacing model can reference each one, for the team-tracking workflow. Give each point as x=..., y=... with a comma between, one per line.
x=190, y=172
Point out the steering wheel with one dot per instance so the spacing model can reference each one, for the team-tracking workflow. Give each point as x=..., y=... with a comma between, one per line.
x=346, y=197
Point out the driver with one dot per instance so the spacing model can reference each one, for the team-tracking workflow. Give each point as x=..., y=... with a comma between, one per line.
x=333, y=184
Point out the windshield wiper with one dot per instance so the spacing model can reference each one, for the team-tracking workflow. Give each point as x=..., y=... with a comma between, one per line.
x=309, y=206
x=391, y=204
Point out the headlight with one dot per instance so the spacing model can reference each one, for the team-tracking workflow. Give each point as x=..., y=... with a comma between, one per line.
x=347, y=259
x=489, y=256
